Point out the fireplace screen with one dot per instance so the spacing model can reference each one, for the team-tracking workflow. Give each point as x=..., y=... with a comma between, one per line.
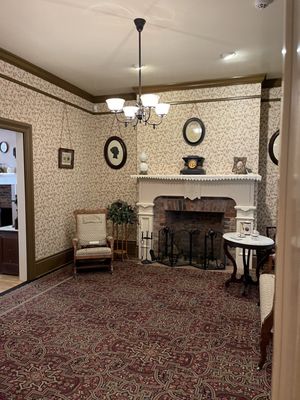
x=191, y=247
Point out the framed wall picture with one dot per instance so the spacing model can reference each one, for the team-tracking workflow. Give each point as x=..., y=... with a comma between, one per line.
x=239, y=165
x=65, y=158
x=193, y=131
x=274, y=147
x=115, y=152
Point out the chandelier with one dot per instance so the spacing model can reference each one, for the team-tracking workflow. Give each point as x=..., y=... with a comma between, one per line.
x=142, y=112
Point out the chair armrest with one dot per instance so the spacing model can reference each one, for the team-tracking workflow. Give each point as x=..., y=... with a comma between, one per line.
x=75, y=243
x=110, y=242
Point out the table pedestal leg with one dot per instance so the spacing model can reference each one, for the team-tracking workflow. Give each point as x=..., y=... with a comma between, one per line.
x=233, y=277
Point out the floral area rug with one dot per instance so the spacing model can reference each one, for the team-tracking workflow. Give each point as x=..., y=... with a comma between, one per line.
x=143, y=333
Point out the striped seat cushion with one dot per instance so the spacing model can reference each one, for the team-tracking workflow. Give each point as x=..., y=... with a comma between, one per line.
x=94, y=251
x=266, y=294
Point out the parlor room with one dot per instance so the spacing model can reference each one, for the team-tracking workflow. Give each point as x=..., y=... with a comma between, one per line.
x=149, y=199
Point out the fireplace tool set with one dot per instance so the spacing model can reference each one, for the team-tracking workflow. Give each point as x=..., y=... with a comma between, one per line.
x=146, y=241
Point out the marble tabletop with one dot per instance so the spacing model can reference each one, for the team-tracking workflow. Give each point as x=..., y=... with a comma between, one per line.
x=249, y=240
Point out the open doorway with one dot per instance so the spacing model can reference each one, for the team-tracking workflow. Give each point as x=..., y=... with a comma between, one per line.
x=16, y=180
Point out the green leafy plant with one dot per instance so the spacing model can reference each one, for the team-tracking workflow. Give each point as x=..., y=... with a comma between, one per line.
x=120, y=212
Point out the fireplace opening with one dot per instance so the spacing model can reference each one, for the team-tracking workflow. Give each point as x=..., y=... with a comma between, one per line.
x=193, y=243
x=189, y=232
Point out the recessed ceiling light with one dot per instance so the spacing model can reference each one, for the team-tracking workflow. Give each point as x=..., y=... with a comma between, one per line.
x=283, y=51
x=136, y=67
x=228, y=56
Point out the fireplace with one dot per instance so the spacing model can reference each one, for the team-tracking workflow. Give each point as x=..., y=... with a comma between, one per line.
x=239, y=189
x=189, y=232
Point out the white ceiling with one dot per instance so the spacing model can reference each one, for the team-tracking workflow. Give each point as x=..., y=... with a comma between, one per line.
x=93, y=43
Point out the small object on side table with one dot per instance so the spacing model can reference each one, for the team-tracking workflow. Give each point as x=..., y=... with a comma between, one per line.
x=193, y=165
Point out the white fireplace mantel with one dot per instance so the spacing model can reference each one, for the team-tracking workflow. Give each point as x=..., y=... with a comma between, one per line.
x=240, y=188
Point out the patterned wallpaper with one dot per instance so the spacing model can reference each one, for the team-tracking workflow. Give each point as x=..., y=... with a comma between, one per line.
x=58, y=192
x=32, y=80
x=268, y=189
x=232, y=129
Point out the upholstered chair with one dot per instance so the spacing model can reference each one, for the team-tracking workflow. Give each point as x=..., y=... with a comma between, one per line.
x=91, y=243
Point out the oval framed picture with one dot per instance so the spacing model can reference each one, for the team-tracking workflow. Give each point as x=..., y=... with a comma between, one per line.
x=115, y=152
x=274, y=147
x=193, y=131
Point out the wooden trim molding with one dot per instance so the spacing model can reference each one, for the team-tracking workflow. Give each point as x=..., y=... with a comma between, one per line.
x=43, y=74
x=53, y=262
x=125, y=96
x=8, y=78
x=271, y=83
x=241, y=80
x=26, y=129
x=51, y=78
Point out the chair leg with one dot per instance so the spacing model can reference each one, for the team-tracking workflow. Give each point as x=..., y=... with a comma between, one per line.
x=265, y=339
x=74, y=269
x=111, y=266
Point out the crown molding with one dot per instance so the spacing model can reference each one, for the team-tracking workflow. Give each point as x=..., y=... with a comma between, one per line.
x=271, y=83
x=125, y=96
x=240, y=80
x=43, y=74
x=51, y=78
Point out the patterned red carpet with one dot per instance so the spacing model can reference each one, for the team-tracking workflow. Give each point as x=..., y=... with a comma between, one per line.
x=143, y=333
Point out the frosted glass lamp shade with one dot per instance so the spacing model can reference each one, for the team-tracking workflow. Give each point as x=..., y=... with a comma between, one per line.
x=130, y=111
x=115, y=104
x=162, y=109
x=149, y=100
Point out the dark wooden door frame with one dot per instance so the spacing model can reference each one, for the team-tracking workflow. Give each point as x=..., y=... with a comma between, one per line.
x=26, y=130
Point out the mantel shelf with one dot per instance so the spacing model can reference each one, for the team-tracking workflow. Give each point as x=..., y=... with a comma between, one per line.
x=233, y=177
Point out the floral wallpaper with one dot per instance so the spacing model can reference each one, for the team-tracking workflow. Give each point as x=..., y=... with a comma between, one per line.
x=268, y=189
x=32, y=80
x=232, y=129
x=58, y=192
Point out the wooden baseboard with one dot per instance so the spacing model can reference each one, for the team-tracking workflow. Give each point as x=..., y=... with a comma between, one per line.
x=64, y=257
x=53, y=262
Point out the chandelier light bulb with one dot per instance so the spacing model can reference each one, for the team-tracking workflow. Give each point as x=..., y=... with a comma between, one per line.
x=115, y=104
x=150, y=100
x=130, y=111
x=162, y=109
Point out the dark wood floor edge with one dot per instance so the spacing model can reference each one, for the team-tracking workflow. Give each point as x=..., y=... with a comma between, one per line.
x=62, y=256
x=14, y=288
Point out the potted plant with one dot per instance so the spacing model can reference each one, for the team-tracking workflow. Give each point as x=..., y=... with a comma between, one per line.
x=122, y=215
x=120, y=212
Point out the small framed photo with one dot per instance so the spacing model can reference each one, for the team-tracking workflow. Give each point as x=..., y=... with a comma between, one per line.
x=193, y=131
x=115, y=152
x=65, y=158
x=239, y=165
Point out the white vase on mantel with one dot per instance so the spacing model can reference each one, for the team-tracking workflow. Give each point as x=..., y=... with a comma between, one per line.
x=143, y=163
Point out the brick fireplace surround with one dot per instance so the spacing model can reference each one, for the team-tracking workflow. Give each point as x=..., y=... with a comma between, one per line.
x=240, y=188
